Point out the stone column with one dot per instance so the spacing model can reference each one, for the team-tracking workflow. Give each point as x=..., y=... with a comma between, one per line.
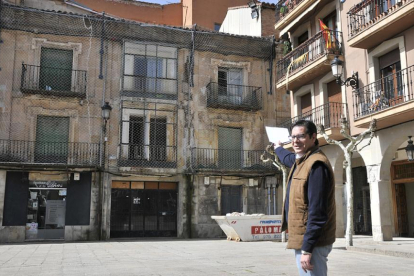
x=381, y=205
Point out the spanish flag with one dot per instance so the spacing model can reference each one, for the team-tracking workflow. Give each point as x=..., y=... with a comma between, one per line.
x=326, y=35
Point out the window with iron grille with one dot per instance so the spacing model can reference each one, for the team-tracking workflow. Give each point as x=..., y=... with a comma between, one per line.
x=150, y=71
x=148, y=134
x=140, y=131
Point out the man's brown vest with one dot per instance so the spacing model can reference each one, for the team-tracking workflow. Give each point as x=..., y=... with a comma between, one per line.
x=298, y=202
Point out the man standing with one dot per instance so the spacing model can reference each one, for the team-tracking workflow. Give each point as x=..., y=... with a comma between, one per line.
x=309, y=211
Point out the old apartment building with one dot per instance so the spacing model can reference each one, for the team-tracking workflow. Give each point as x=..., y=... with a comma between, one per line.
x=374, y=41
x=113, y=128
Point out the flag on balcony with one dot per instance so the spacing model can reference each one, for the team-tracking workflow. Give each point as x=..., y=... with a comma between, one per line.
x=326, y=35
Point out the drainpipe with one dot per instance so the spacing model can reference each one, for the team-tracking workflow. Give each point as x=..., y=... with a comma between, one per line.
x=274, y=199
x=271, y=66
x=189, y=192
x=102, y=47
x=103, y=177
x=268, y=199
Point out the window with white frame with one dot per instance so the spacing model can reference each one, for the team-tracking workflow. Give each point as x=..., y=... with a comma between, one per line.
x=230, y=85
x=150, y=71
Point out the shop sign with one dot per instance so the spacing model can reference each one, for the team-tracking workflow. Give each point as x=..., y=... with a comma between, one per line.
x=48, y=184
x=257, y=230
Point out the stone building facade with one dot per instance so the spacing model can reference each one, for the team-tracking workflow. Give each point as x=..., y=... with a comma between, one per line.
x=182, y=143
x=374, y=40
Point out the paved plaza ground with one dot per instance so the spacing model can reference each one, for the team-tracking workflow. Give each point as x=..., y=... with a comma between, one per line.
x=186, y=257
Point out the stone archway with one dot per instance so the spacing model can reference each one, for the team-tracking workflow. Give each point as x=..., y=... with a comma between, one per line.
x=378, y=158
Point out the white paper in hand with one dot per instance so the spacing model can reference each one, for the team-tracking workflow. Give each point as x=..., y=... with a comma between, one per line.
x=276, y=134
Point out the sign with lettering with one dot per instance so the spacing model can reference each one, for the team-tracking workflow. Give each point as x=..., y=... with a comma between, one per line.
x=48, y=184
x=256, y=230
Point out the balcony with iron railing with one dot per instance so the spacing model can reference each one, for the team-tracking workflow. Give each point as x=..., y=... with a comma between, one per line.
x=232, y=96
x=290, y=10
x=53, y=81
x=328, y=115
x=148, y=156
x=228, y=161
x=390, y=100
x=50, y=153
x=372, y=21
x=309, y=60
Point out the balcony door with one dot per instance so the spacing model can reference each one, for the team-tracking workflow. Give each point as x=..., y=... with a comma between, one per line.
x=230, y=89
x=136, y=138
x=391, y=77
x=139, y=133
x=333, y=110
x=55, y=69
x=52, y=137
x=229, y=148
x=306, y=106
x=158, y=139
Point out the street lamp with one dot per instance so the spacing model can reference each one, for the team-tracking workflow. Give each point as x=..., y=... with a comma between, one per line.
x=337, y=68
x=106, y=111
x=255, y=11
x=409, y=149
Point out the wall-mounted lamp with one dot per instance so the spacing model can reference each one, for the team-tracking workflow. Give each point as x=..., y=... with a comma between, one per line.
x=337, y=68
x=409, y=149
x=106, y=111
x=255, y=10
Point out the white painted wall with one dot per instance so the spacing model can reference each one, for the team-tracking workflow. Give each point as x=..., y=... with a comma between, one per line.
x=239, y=21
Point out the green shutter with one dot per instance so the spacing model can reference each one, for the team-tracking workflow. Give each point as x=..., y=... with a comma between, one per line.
x=230, y=147
x=56, y=69
x=52, y=137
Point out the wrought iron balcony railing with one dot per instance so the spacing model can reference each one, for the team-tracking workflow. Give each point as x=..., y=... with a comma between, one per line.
x=149, y=156
x=234, y=96
x=327, y=115
x=368, y=12
x=283, y=8
x=53, y=153
x=323, y=43
x=53, y=81
x=385, y=93
x=228, y=160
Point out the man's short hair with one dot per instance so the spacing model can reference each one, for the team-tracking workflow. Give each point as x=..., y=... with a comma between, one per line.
x=310, y=128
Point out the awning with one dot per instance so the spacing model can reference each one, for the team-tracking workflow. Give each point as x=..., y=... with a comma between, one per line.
x=297, y=19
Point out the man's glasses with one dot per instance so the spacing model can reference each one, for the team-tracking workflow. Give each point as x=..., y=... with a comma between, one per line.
x=299, y=136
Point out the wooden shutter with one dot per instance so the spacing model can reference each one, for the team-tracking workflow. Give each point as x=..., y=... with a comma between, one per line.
x=306, y=104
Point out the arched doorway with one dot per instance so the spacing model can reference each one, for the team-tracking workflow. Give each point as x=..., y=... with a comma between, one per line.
x=402, y=187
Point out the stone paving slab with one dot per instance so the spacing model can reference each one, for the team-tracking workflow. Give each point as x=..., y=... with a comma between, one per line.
x=184, y=257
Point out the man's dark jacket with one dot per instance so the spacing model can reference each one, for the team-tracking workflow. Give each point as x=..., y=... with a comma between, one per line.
x=298, y=201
